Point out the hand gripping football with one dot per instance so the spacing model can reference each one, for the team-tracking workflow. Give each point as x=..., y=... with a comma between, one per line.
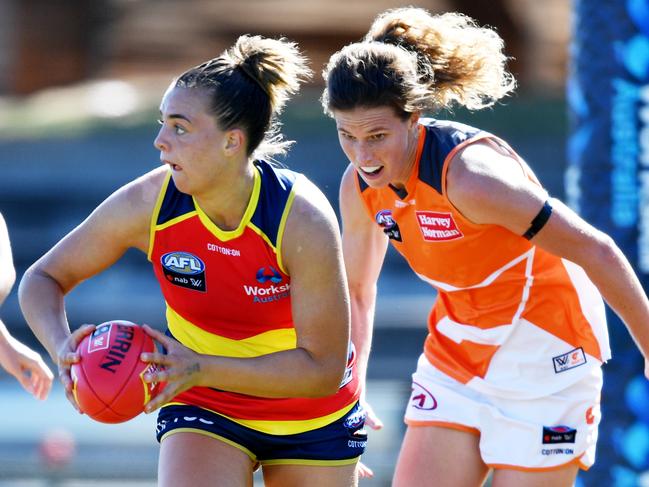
x=108, y=382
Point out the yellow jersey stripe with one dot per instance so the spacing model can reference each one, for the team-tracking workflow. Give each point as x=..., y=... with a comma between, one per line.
x=173, y=221
x=156, y=212
x=259, y=232
x=202, y=341
x=282, y=226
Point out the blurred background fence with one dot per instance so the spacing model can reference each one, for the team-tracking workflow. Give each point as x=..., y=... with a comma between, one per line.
x=80, y=83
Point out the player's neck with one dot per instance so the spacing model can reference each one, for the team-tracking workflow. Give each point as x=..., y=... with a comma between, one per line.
x=226, y=205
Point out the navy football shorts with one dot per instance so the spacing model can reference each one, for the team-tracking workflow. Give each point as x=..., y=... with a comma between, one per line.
x=339, y=443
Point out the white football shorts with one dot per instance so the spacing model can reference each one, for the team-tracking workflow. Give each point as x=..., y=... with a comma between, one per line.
x=534, y=434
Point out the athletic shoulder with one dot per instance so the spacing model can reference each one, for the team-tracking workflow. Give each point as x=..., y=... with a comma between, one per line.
x=312, y=233
x=310, y=203
x=348, y=181
x=129, y=209
x=482, y=162
x=143, y=191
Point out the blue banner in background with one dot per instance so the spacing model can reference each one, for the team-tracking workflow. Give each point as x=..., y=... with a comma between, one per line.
x=607, y=182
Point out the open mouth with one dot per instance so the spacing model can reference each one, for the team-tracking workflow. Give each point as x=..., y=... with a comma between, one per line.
x=173, y=166
x=371, y=170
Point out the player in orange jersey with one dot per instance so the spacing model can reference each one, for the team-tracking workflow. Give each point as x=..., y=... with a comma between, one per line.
x=18, y=359
x=510, y=377
x=258, y=364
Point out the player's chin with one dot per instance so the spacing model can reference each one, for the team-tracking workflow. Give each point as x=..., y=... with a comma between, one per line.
x=181, y=182
x=375, y=179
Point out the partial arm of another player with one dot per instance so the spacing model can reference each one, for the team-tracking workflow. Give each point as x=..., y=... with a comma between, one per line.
x=25, y=364
x=120, y=222
x=489, y=187
x=18, y=359
x=364, y=248
x=312, y=255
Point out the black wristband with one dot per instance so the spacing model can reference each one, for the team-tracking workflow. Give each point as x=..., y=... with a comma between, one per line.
x=539, y=220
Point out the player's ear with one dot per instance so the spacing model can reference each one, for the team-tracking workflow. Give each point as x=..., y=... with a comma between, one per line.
x=234, y=141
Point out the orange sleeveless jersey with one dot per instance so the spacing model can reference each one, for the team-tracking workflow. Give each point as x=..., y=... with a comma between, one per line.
x=228, y=293
x=510, y=318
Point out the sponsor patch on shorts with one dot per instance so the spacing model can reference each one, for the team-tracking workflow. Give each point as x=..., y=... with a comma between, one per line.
x=574, y=358
x=558, y=434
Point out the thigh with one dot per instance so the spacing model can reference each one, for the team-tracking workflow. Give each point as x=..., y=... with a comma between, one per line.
x=311, y=475
x=556, y=433
x=190, y=459
x=562, y=477
x=440, y=457
x=337, y=444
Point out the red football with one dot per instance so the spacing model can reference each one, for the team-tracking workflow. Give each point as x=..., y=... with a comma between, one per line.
x=108, y=380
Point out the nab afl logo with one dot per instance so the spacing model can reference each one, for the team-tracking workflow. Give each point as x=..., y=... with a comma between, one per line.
x=183, y=262
x=184, y=269
x=389, y=225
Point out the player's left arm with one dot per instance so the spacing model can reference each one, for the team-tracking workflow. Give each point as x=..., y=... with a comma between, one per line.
x=488, y=186
x=25, y=364
x=311, y=254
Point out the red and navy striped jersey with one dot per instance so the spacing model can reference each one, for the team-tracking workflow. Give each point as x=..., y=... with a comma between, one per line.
x=228, y=293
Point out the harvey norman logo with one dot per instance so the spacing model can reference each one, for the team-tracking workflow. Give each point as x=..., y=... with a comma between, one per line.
x=436, y=226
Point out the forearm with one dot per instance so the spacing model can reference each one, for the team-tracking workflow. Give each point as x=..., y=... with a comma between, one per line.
x=6, y=343
x=42, y=303
x=290, y=373
x=621, y=289
x=7, y=279
x=362, y=311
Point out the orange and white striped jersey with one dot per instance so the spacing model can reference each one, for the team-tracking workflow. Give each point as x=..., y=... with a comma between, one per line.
x=510, y=319
x=228, y=293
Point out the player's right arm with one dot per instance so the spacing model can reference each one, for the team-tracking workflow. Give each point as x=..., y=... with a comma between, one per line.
x=364, y=248
x=120, y=222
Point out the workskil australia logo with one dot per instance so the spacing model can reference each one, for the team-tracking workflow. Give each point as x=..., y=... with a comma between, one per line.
x=271, y=288
x=184, y=269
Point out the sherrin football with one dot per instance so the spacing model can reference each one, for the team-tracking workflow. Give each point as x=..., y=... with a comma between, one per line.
x=108, y=382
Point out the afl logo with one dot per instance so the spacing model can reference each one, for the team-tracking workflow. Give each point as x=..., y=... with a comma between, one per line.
x=384, y=218
x=356, y=419
x=182, y=263
x=390, y=227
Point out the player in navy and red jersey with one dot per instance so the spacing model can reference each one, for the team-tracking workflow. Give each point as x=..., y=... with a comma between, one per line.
x=25, y=364
x=510, y=375
x=259, y=366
